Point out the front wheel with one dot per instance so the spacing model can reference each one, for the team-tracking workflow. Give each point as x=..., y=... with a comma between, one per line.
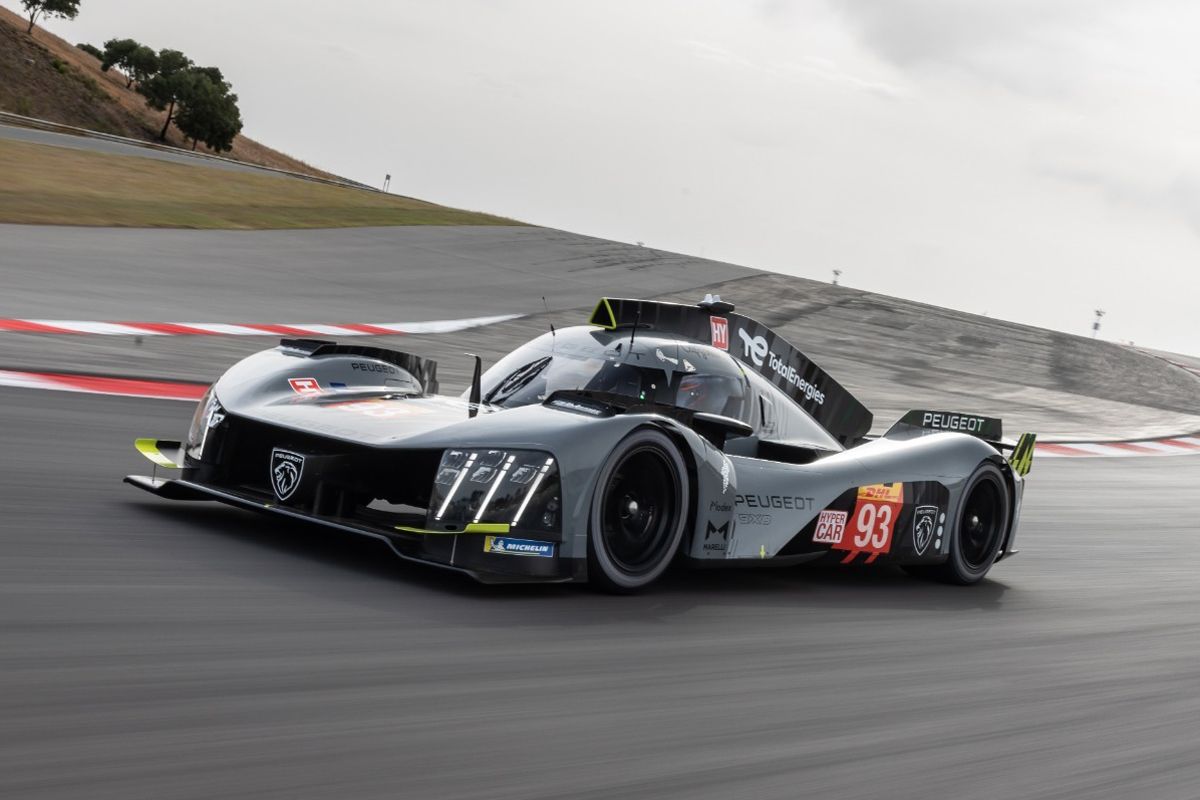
x=638, y=513
x=978, y=531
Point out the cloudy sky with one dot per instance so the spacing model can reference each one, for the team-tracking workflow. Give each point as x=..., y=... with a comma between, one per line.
x=1028, y=159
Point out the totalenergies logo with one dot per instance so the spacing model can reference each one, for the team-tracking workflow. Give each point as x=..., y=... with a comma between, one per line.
x=756, y=349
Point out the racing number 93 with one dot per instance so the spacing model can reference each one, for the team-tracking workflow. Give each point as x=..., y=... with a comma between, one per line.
x=875, y=515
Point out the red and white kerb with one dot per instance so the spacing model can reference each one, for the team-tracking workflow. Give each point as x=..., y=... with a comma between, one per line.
x=97, y=328
x=833, y=529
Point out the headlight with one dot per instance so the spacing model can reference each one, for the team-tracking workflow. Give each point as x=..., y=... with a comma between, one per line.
x=209, y=414
x=518, y=488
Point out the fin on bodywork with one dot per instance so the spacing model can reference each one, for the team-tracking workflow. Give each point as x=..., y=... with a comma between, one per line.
x=162, y=452
x=754, y=346
x=1021, y=459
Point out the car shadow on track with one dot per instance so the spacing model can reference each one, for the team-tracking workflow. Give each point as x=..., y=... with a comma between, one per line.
x=334, y=556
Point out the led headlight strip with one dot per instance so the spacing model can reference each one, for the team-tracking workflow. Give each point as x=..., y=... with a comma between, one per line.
x=532, y=490
x=457, y=483
x=495, y=485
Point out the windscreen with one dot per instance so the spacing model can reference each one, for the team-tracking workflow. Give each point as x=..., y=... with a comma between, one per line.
x=533, y=372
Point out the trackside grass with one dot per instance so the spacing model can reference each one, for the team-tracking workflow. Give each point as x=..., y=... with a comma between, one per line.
x=41, y=184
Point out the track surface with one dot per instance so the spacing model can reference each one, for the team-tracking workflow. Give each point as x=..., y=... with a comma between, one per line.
x=327, y=275
x=152, y=650
x=891, y=353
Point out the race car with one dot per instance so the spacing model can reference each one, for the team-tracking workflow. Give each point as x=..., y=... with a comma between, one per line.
x=657, y=433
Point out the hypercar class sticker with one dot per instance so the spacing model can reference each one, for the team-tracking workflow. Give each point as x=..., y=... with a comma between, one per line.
x=720, y=332
x=517, y=547
x=831, y=525
x=304, y=385
x=873, y=521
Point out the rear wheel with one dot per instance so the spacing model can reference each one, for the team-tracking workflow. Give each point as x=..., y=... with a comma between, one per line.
x=638, y=513
x=978, y=531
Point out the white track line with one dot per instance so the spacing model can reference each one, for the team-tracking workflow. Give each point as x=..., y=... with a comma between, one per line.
x=102, y=328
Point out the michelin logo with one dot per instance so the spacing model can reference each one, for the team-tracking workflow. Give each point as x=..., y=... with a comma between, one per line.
x=517, y=547
x=755, y=349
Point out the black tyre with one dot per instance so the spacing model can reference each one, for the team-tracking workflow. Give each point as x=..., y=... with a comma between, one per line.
x=638, y=513
x=979, y=530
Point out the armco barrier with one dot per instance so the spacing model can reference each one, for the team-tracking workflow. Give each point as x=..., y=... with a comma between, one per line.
x=7, y=118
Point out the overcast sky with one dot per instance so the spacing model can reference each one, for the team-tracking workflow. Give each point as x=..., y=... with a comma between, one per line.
x=1028, y=159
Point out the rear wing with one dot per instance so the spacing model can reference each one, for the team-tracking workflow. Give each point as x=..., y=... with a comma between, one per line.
x=921, y=421
x=756, y=347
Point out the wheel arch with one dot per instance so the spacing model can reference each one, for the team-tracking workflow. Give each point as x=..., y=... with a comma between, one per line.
x=1010, y=484
x=687, y=452
x=683, y=457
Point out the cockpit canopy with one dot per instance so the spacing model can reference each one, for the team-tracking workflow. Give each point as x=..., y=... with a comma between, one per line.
x=652, y=369
x=655, y=368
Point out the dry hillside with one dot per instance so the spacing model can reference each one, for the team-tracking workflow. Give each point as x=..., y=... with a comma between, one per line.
x=47, y=77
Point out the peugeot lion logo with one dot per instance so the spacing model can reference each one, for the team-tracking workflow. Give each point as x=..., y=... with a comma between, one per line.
x=924, y=519
x=286, y=469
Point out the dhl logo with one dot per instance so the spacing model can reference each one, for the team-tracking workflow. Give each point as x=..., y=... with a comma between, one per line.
x=882, y=492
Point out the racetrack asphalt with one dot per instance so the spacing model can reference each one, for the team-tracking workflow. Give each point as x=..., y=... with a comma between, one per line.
x=158, y=650
x=893, y=354
x=336, y=275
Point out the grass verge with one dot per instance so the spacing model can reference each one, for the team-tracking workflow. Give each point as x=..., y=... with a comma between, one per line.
x=41, y=184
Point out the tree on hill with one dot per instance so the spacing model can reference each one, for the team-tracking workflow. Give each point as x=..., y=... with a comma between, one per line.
x=137, y=61
x=208, y=111
x=169, y=82
x=91, y=50
x=67, y=9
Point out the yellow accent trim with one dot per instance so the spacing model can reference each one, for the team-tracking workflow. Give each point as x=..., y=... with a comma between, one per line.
x=473, y=527
x=407, y=529
x=149, y=448
x=596, y=320
x=501, y=528
x=1021, y=459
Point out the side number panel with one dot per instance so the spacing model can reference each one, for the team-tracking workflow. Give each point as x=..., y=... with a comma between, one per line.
x=876, y=512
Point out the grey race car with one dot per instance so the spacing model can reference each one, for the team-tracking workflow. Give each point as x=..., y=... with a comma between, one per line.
x=603, y=453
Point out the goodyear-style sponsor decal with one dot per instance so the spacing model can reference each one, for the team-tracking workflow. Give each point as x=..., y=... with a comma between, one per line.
x=517, y=547
x=873, y=521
